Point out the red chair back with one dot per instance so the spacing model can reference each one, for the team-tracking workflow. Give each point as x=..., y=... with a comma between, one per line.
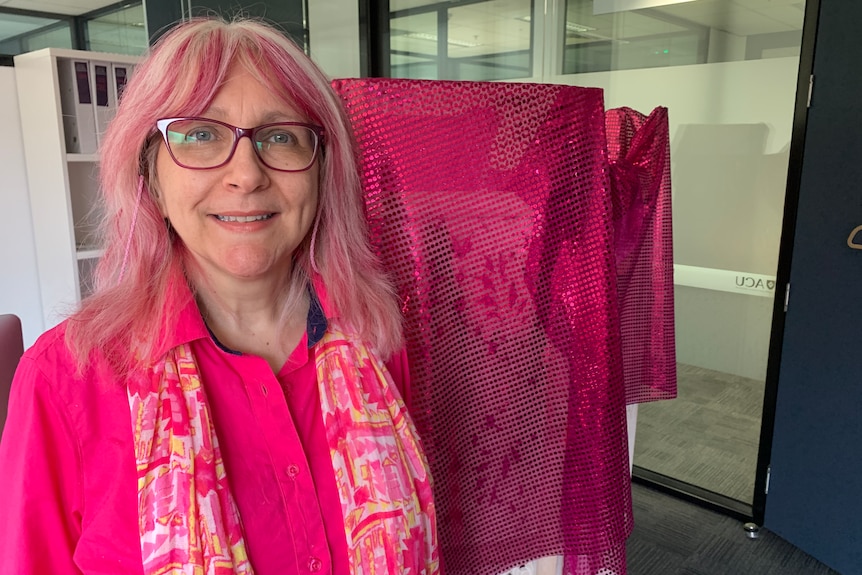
x=11, y=350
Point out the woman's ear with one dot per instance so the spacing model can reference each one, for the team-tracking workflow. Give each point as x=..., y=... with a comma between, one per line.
x=153, y=190
x=155, y=193
x=147, y=170
x=157, y=197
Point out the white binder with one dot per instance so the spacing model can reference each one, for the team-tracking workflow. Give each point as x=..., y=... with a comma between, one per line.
x=104, y=103
x=76, y=104
x=120, y=74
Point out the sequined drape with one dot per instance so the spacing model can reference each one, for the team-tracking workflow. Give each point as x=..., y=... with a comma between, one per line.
x=490, y=204
x=639, y=155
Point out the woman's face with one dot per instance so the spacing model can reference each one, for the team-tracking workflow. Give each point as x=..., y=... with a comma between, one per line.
x=242, y=220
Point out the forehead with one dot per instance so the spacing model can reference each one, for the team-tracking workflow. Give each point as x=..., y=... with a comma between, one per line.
x=243, y=96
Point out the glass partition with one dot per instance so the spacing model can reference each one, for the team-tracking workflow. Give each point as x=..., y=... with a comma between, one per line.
x=601, y=39
x=21, y=33
x=122, y=31
x=627, y=40
x=727, y=72
x=117, y=29
x=461, y=40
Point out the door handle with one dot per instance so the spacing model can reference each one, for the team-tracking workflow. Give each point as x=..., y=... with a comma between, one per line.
x=850, y=239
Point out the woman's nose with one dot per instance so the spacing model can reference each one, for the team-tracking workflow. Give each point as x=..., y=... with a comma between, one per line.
x=245, y=171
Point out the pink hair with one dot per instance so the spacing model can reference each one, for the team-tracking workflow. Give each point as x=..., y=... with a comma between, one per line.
x=139, y=278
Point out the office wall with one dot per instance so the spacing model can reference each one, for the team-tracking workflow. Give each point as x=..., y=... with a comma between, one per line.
x=19, y=280
x=730, y=128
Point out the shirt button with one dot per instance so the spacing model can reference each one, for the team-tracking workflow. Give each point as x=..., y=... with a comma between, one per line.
x=314, y=564
x=292, y=470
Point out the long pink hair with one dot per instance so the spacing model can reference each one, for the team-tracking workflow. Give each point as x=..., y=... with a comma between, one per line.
x=140, y=279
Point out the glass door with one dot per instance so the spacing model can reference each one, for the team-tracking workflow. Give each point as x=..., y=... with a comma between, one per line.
x=727, y=72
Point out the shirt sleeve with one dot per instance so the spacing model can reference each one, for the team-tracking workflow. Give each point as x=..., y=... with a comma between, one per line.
x=39, y=480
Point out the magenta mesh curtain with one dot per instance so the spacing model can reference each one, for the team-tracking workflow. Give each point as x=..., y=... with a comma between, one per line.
x=490, y=205
x=639, y=155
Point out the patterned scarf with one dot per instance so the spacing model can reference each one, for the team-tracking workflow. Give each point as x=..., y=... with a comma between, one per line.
x=189, y=521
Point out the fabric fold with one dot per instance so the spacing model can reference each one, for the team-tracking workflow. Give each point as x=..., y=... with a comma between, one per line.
x=640, y=176
x=489, y=205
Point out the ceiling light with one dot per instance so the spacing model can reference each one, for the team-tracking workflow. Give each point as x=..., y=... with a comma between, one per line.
x=434, y=38
x=570, y=26
x=610, y=6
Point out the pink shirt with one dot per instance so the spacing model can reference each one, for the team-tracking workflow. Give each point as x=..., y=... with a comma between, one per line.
x=67, y=467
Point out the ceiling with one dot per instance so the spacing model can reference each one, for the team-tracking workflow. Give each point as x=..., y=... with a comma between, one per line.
x=714, y=13
x=495, y=26
x=66, y=7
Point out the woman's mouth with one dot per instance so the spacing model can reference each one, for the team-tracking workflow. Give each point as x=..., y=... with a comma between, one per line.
x=243, y=219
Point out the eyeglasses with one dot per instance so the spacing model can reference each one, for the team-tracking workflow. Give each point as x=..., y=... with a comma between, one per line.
x=201, y=143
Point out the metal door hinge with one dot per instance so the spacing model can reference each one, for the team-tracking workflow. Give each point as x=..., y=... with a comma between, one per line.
x=768, y=477
x=786, y=296
x=810, y=89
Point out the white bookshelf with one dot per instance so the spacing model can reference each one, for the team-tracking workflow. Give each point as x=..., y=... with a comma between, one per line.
x=63, y=187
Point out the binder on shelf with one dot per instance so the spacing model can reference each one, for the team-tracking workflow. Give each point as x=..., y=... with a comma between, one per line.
x=104, y=104
x=120, y=74
x=76, y=103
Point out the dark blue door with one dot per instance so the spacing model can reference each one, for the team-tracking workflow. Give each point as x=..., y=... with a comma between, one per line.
x=815, y=491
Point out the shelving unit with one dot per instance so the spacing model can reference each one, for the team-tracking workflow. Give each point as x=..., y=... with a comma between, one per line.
x=63, y=186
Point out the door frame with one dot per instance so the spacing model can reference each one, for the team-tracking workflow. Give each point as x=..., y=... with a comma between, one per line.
x=785, y=257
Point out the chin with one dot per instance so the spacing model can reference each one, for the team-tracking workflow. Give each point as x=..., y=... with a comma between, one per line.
x=251, y=264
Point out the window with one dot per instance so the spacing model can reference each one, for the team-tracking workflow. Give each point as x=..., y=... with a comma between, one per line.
x=23, y=31
x=705, y=31
x=461, y=40
x=119, y=31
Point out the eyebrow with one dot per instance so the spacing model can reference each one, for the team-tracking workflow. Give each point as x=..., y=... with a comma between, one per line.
x=268, y=118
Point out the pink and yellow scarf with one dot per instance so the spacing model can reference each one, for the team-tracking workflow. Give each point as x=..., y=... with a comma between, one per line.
x=189, y=521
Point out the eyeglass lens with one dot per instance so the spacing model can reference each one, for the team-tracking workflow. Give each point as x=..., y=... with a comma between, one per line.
x=197, y=143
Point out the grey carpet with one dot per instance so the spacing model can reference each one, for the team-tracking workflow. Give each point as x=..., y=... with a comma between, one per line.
x=708, y=436
x=674, y=537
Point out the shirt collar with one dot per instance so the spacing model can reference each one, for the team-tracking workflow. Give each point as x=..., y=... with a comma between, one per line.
x=190, y=326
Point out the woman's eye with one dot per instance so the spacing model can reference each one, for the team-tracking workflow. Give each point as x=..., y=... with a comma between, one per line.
x=201, y=135
x=193, y=133
x=281, y=136
x=284, y=138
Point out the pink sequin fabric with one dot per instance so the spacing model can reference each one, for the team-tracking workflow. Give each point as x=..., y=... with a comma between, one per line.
x=490, y=205
x=639, y=154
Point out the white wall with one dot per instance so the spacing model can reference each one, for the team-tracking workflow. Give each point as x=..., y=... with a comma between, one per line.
x=19, y=281
x=747, y=92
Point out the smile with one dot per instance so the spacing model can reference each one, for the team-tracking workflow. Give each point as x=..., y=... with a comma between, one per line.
x=243, y=219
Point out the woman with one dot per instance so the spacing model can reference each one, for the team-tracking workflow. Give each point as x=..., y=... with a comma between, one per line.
x=221, y=403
